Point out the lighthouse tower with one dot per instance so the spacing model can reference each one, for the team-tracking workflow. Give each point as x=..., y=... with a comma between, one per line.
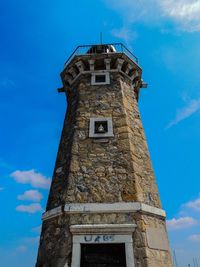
x=103, y=208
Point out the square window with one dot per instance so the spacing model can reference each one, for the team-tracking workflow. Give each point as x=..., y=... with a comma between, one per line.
x=100, y=78
x=101, y=127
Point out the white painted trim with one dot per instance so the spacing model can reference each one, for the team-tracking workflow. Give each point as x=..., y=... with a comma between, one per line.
x=103, y=228
x=103, y=238
x=105, y=73
x=52, y=213
x=76, y=255
x=120, y=207
x=130, y=262
x=92, y=133
x=107, y=63
x=153, y=210
x=99, y=71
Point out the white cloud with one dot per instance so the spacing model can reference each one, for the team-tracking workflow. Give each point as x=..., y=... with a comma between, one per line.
x=192, y=107
x=32, y=208
x=194, y=238
x=140, y=10
x=32, y=177
x=124, y=33
x=185, y=14
x=195, y=205
x=181, y=223
x=32, y=195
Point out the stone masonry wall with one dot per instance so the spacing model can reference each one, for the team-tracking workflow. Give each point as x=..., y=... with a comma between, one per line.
x=56, y=240
x=62, y=166
x=82, y=164
x=145, y=256
x=100, y=172
x=55, y=247
x=88, y=171
x=147, y=191
x=103, y=172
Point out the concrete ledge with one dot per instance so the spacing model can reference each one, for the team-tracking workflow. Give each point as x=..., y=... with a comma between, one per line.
x=52, y=213
x=103, y=228
x=153, y=210
x=120, y=207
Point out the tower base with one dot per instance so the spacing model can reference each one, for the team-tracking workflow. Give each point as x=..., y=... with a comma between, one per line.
x=118, y=234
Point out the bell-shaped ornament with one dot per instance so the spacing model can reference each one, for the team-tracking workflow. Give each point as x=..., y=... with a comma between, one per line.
x=101, y=129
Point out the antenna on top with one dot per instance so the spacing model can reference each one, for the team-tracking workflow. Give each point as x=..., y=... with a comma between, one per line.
x=101, y=37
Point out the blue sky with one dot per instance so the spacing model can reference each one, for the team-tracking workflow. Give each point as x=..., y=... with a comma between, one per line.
x=36, y=39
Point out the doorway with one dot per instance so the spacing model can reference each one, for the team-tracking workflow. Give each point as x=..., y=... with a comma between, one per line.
x=103, y=255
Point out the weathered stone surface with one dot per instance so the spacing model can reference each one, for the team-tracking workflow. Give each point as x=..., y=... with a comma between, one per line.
x=92, y=170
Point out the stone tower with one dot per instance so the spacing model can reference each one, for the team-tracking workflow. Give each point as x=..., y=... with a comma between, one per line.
x=103, y=208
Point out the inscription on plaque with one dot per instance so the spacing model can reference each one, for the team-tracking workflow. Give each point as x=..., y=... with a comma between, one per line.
x=99, y=238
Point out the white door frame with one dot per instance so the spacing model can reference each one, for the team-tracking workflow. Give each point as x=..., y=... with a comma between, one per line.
x=102, y=234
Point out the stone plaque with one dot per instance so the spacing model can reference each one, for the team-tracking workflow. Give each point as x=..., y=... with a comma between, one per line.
x=157, y=238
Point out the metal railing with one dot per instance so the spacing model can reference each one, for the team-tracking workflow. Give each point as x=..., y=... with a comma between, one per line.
x=101, y=49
